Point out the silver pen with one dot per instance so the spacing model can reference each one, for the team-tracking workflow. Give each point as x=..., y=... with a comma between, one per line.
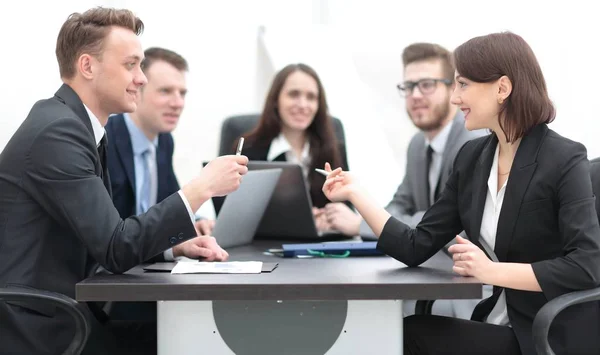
x=239, y=146
x=322, y=172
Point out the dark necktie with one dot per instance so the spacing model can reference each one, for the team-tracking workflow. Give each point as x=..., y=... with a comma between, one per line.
x=97, y=307
x=102, y=150
x=436, y=191
x=103, y=156
x=428, y=160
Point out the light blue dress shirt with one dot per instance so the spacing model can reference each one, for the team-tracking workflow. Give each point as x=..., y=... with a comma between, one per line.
x=140, y=144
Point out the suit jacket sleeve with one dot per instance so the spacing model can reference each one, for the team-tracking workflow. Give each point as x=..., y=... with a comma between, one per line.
x=579, y=268
x=61, y=175
x=440, y=223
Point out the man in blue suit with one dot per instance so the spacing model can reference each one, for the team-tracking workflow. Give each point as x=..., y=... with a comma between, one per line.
x=140, y=149
x=140, y=163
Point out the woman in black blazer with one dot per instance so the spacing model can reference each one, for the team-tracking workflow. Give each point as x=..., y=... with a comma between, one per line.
x=295, y=126
x=524, y=191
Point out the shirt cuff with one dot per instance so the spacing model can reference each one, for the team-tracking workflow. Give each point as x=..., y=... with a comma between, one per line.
x=168, y=255
x=187, y=206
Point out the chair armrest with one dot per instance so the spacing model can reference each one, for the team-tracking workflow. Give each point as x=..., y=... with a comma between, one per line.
x=546, y=314
x=73, y=308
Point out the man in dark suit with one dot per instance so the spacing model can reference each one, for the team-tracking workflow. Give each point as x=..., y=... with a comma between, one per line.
x=427, y=87
x=57, y=220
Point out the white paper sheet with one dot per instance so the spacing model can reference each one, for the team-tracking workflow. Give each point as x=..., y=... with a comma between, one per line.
x=206, y=267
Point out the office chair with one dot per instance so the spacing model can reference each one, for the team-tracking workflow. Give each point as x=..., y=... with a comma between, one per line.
x=73, y=308
x=545, y=316
x=235, y=126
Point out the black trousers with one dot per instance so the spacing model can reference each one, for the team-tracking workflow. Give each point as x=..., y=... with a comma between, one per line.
x=429, y=334
x=117, y=337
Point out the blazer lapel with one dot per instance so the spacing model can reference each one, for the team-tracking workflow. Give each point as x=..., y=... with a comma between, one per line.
x=421, y=178
x=280, y=157
x=162, y=170
x=124, y=149
x=522, y=170
x=70, y=98
x=480, y=187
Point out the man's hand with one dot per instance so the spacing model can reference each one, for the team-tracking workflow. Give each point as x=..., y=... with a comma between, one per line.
x=218, y=178
x=205, y=247
x=205, y=226
x=343, y=219
x=223, y=174
x=321, y=219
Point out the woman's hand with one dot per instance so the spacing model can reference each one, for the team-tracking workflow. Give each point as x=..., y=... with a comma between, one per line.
x=470, y=260
x=339, y=185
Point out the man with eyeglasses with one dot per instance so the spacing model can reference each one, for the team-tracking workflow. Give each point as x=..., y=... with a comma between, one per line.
x=427, y=86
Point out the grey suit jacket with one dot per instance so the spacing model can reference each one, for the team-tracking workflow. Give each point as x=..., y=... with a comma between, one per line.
x=58, y=222
x=411, y=201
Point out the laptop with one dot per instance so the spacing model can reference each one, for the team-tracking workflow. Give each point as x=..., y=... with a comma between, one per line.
x=289, y=213
x=243, y=209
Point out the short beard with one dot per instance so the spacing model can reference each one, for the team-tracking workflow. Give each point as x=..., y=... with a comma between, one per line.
x=440, y=113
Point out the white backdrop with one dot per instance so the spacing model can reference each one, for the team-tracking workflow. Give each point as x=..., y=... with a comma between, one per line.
x=354, y=45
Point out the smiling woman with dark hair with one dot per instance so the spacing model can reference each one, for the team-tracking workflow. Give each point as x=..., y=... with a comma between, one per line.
x=295, y=126
x=522, y=194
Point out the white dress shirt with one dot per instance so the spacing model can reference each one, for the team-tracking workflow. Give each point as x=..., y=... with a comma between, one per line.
x=489, y=227
x=280, y=145
x=438, y=143
x=99, y=132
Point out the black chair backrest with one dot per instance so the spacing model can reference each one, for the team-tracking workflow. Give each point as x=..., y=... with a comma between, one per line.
x=236, y=126
x=545, y=316
x=595, y=175
x=76, y=310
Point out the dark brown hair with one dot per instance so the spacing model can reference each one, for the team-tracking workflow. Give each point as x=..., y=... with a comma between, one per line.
x=487, y=58
x=85, y=33
x=324, y=146
x=155, y=54
x=418, y=52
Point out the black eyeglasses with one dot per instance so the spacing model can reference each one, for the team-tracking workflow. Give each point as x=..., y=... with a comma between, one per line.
x=426, y=86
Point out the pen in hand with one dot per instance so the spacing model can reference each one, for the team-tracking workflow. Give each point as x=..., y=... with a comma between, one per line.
x=239, y=146
x=322, y=172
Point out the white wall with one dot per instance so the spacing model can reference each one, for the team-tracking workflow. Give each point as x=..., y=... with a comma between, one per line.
x=230, y=68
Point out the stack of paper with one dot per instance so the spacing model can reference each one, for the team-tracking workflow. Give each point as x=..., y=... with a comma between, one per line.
x=206, y=267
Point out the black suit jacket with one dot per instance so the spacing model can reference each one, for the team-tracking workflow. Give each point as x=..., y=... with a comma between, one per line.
x=260, y=152
x=58, y=222
x=122, y=168
x=548, y=220
x=595, y=175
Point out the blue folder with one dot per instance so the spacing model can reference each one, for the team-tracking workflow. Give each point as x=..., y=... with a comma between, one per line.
x=335, y=249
